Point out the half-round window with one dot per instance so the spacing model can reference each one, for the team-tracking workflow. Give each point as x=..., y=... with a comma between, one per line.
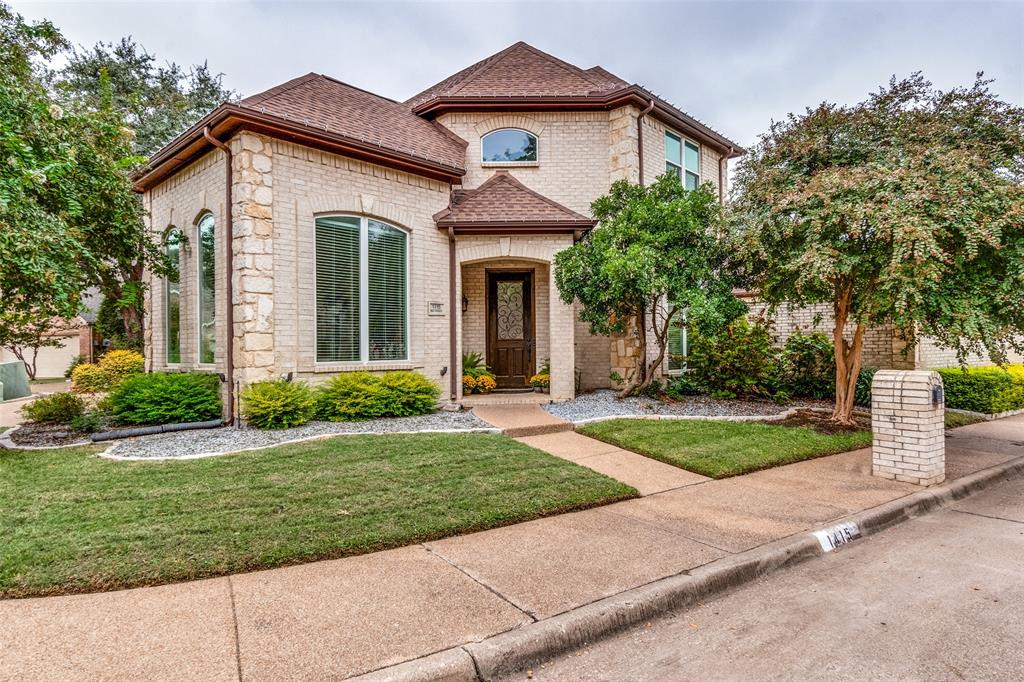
x=509, y=145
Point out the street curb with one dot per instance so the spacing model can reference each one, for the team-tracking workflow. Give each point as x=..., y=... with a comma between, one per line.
x=513, y=651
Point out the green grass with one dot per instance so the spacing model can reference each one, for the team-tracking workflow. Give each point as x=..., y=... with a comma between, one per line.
x=719, y=449
x=72, y=522
x=955, y=419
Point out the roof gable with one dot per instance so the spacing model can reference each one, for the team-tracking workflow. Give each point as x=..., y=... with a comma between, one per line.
x=504, y=201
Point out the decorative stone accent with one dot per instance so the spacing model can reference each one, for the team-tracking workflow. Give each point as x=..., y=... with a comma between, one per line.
x=253, y=245
x=623, y=145
x=625, y=353
x=908, y=423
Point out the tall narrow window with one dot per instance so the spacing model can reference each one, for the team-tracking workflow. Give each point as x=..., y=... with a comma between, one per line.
x=207, y=289
x=387, y=292
x=337, y=289
x=172, y=296
x=678, y=343
x=682, y=157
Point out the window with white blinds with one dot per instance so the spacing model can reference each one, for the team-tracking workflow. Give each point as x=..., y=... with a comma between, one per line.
x=362, y=307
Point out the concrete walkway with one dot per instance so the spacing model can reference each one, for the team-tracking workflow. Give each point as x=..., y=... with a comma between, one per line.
x=341, y=618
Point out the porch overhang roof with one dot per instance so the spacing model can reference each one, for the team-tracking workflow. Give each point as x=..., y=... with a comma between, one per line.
x=503, y=205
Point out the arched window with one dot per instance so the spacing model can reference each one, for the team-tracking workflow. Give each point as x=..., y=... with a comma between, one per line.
x=206, y=275
x=172, y=296
x=362, y=299
x=509, y=145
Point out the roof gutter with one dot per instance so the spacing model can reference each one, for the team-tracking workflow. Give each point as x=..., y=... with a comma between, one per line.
x=229, y=269
x=640, y=138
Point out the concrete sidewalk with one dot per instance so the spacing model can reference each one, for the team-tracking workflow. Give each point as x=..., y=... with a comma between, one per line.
x=350, y=616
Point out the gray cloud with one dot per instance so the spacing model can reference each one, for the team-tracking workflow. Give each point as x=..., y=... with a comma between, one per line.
x=733, y=65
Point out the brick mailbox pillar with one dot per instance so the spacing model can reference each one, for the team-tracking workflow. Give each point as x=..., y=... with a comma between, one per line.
x=908, y=423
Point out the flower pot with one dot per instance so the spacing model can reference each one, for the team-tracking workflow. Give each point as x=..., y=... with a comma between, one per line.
x=538, y=389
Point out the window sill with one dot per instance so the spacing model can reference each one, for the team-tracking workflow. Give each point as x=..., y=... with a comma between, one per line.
x=392, y=366
x=509, y=164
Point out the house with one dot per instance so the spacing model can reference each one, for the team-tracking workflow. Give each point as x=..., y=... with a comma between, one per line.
x=370, y=234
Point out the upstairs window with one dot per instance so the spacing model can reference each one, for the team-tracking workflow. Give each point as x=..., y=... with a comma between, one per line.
x=172, y=296
x=682, y=157
x=362, y=291
x=509, y=146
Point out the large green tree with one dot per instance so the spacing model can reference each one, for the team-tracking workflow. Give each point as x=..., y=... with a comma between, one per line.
x=63, y=180
x=656, y=254
x=905, y=209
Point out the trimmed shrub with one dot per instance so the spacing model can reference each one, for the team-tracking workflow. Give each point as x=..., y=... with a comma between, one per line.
x=166, y=398
x=278, y=404
x=984, y=389
x=740, y=361
x=361, y=395
x=75, y=362
x=121, y=364
x=807, y=366
x=91, y=421
x=89, y=378
x=59, y=408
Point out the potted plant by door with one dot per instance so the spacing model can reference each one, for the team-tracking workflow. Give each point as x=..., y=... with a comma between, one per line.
x=540, y=382
x=476, y=377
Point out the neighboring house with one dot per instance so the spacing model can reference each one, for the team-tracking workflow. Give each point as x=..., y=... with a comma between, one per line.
x=73, y=337
x=374, y=234
x=370, y=234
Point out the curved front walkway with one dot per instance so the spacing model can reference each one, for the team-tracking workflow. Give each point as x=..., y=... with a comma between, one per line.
x=345, y=617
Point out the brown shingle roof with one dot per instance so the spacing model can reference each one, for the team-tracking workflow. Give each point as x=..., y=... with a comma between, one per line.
x=502, y=200
x=521, y=70
x=328, y=104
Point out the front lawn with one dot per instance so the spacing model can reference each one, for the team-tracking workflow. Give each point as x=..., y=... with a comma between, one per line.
x=718, y=448
x=72, y=522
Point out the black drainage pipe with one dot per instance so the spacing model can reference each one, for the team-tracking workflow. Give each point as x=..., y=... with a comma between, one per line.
x=151, y=430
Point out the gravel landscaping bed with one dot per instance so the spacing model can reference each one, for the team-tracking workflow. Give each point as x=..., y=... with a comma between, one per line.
x=230, y=439
x=605, y=404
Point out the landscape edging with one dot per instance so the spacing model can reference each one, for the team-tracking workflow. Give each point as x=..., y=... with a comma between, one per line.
x=515, y=650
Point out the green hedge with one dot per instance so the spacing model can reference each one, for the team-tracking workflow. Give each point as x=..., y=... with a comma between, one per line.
x=984, y=389
x=278, y=404
x=361, y=395
x=166, y=398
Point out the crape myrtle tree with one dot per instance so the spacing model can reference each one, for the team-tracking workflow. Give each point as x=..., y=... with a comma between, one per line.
x=656, y=254
x=905, y=209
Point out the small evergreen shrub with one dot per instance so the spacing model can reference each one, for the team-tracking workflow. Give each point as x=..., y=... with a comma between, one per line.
x=807, y=366
x=89, y=378
x=91, y=421
x=682, y=385
x=59, y=408
x=984, y=389
x=75, y=362
x=739, y=361
x=862, y=394
x=166, y=398
x=361, y=395
x=121, y=364
x=278, y=404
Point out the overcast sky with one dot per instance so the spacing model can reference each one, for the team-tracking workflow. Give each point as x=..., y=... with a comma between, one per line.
x=733, y=65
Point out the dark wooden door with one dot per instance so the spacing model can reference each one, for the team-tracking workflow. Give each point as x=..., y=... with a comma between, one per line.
x=510, y=327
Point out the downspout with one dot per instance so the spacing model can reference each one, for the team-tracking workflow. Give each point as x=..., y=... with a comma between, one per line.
x=640, y=138
x=722, y=160
x=455, y=378
x=229, y=269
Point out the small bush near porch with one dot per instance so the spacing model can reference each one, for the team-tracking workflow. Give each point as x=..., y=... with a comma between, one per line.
x=720, y=449
x=75, y=523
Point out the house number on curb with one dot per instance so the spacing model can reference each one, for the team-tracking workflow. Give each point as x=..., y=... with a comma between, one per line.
x=831, y=538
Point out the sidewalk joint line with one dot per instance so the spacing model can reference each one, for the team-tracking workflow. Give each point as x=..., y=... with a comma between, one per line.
x=987, y=516
x=482, y=584
x=234, y=618
x=476, y=666
x=672, y=532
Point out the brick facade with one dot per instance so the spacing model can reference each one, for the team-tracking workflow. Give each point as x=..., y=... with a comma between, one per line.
x=908, y=427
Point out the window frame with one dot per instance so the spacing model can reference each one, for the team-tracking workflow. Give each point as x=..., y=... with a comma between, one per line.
x=485, y=163
x=364, y=295
x=680, y=167
x=684, y=328
x=199, y=289
x=170, y=232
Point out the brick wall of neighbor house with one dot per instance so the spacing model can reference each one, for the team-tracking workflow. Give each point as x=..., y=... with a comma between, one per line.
x=931, y=355
x=308, y=182
x=180, y=201
x=883, y=348
x=474, y=320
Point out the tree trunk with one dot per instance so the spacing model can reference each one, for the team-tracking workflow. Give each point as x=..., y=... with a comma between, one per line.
x=848, y=360
x=661, y=338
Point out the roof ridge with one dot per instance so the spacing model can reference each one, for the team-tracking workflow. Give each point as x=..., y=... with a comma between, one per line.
x=485, y=65
x=504, y=176
x=356, y=87
x=279, y=89
x=562, y=63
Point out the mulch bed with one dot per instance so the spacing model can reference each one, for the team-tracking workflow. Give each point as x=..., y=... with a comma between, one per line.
x=820, y=422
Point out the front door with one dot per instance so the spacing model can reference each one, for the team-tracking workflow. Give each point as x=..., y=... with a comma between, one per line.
x=510, y=332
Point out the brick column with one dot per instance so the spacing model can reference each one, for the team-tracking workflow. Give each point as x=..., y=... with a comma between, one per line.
x=253, y=242
x=908, y=426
